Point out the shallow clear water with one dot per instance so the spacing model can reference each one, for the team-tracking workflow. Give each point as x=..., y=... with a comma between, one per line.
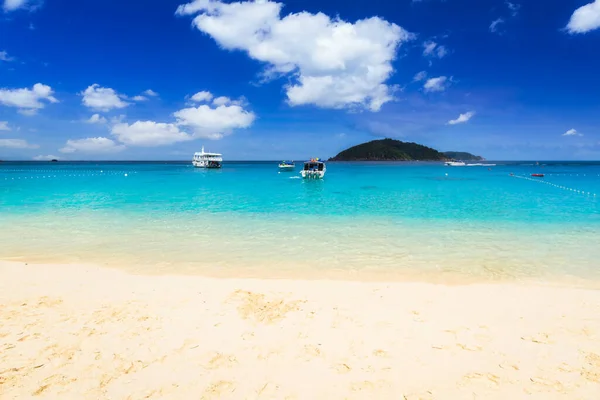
x=411, y=220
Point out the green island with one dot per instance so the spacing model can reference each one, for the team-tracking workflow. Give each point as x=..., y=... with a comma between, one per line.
x=396, y=150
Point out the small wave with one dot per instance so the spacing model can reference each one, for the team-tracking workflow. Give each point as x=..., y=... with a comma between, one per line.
x=294, y=177
x=481, y=165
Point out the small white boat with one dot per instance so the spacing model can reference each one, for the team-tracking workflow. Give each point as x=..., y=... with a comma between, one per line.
x=313, y=169
x=455, y=164
x=207, y=160
x=287, y=166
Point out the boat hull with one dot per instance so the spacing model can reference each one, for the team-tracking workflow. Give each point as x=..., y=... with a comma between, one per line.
x=312, y=174
x=455, y=164
x=206, y=165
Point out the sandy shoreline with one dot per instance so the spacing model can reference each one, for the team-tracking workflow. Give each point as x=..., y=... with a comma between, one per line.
x=72, y=331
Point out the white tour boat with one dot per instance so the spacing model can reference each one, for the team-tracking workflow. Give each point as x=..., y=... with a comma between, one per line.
x=207, y=160
x=287, y=166
x=455, y=164
x=314, y=168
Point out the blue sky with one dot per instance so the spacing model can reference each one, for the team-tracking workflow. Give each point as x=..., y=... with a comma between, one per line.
x=288, y=80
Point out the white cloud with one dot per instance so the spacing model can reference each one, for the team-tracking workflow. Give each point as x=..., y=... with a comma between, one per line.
x=494, y=25
x=149, y=134
x=202, y=96
x=92, y=145
x=221, y=101
x=336, y=64
x=96, y=119
x=12, y=5
x=419, y=76
x=585, y=18
x=150, y=93
x=102, y=99
x=46, y=158
x=17, y=144
x=29, y=112
x=139, y=98
x=211, y=121
x=462, y=118
x=4, y=126
x=432, y=49
x=214, y=123
x=5, y=57
x=441, y=51
x=28, y=101
x=572, y=132
x=514, y=8
x=435, y=84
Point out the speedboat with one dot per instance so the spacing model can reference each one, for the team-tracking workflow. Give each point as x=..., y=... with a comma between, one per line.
x=207, y=160
x=313, y=169
x=455, y=164
x=287, y=166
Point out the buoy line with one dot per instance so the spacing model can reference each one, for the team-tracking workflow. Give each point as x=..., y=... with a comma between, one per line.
x=568, y=189
x=70, y=171
x=67, y=175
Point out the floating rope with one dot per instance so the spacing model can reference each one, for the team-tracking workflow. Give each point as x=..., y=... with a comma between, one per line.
x=66, y=173
x=85, y=171
x=569, y=189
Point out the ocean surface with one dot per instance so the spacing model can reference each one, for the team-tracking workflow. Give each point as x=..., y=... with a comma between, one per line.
x=414, y=221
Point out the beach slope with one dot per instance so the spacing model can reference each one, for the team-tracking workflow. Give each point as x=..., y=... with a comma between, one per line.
x=83, y=332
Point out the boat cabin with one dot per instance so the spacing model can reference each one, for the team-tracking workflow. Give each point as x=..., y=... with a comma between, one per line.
x=314, y=166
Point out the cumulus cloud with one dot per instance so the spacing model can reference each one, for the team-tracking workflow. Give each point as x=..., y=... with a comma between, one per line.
x=150, y=93
x=46, y=158
x=432, y=49
x=102, y=99
x=149, y=134
x=92, y=145
x=28, y=101
x=96, y=119
x=494, y=25
x=17, y=144
x=572, y=132
x=435, y=84
x=462, y=118
x=202, y=97
x=5, y=57
x=139, y=98
x=419, y=76
x=585, y=18
x=334, y=63
x=4, y=126
x=214, y=122
x=221, y=101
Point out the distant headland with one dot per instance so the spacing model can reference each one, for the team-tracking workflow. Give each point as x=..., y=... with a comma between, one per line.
x=396, y=150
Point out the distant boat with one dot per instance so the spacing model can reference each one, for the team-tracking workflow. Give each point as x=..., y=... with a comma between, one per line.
x=207, y=160
x=287, y=166
x=455, y=164
x=314, y=168
x=538, y=175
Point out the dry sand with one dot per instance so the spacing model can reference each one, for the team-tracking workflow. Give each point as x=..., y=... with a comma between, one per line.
x=81, y=332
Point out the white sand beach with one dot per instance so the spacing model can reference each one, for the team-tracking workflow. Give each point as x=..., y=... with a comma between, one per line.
x=84, y=332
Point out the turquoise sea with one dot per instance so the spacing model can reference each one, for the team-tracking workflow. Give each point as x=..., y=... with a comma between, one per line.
x=421, y=221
